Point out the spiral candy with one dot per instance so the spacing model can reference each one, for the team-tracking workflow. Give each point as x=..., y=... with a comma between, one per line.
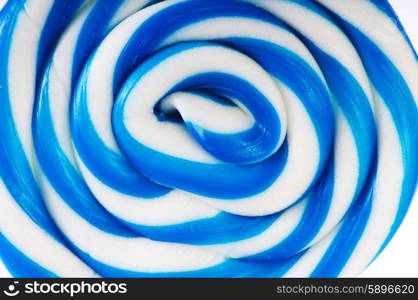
x=203, y=138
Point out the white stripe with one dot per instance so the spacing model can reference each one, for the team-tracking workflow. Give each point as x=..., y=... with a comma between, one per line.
x=384, y=33
x=387, y=193
x=134, y=254
x=35, y=243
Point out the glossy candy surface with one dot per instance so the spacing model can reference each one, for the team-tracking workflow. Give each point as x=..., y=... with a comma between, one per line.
x=203, y=138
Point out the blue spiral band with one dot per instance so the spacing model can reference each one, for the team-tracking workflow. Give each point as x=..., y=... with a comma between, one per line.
x=197, y=138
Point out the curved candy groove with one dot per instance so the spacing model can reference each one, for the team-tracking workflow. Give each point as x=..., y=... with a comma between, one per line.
x=195, y=138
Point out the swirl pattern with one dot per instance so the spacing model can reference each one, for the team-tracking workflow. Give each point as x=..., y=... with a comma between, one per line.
x=194, y=138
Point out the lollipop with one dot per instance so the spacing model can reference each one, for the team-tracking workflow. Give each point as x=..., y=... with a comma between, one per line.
x=222, y=138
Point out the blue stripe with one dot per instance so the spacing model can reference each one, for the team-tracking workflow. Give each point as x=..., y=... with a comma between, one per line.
x=229, y=269
x=108, y=166
x=66, y=180
x=63, y=176
x=15, y=170
x=355, y=106
x=348, y=236
x=61, y=14
x=179, y=15
x=392, y=87
x=223, y=181
x=348, y=94
x=18, y=264
x=301, y=79
x=314, y=216
x=223, y=228
x=385, y=6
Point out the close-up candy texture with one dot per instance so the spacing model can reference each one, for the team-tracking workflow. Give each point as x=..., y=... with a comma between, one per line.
x=203, y=138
